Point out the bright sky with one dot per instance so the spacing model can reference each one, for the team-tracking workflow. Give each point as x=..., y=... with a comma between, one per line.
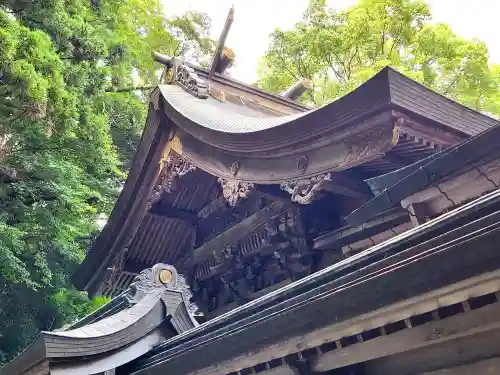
x=254, y=20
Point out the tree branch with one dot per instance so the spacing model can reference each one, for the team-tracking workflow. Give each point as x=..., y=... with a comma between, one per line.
x=445, y=92
x=129, y=89
x=31, y=149
x=288, y=69
x=10, y=120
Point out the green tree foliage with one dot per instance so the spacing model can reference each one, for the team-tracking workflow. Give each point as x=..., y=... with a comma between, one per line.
x=70, y=121
x=339, y=50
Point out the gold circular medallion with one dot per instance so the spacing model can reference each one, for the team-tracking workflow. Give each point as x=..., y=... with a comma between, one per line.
x=165, y=276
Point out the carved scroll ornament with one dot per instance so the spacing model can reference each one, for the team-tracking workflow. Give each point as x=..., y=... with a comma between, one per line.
x=306, y=190
x=175, y=168
x=369, y=145
x=234, y=190
x=177, y=72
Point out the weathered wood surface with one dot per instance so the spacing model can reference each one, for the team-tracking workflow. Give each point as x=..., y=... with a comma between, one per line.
x=450, y=354
x=221, y=42
x=489, y=366
x=168, y=212
x=473, y=287
x=469, y=184
x=461, y=325
x=350, y=234
x=215, y=246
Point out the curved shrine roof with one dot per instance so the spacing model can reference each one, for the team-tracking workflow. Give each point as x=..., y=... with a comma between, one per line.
x=387, y=89
x=265, y=140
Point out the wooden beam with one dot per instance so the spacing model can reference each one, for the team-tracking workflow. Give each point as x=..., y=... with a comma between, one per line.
x=280, y=370
x=221, y=42
x=472, y=182
x=260, y=293
x=455, y=293
x=436, y=332
x=397, y=161
x=273, y=193
x=214, y=206
x=450, y=354
x=170, y=212
x=436, y=134
x=216, y=245
x=347, y=235
x=376, y=239
x=418, y=213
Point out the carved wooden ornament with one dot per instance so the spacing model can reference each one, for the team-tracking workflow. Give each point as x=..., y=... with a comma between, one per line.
x=175, y=168
x=305, y=191
x=302, y=164
x=235, y=167
x=234, y=190
x=185, y=76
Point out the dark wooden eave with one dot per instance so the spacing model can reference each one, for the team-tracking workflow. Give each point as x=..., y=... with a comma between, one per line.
x=215, y=135
x=387, y=89
x=393, y=187
x=349, y=234
x=131, y=204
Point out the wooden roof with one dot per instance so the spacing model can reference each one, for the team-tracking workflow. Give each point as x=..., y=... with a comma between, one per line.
x=152, y=310
x=388, y=88
x=246, y=136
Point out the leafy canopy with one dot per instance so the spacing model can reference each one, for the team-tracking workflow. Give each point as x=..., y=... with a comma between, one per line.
x=339, y=50
x=70, y=122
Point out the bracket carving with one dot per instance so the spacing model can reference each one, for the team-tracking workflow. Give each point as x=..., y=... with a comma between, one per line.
x=117, y=267
x=175, y=168
x=234, y=190
x=306, y=190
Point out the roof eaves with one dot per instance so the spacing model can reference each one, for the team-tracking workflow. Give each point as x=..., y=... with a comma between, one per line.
x=334, y=271
x=413, y=97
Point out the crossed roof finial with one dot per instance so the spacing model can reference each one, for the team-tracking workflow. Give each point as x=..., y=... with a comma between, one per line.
x=221, y=42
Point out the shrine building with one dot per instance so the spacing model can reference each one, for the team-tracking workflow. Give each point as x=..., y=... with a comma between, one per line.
x=256, y=235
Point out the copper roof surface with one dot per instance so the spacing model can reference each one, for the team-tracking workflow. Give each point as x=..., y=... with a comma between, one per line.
x=386, y=88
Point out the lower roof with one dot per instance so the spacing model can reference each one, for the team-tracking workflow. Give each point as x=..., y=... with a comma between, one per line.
x=453, y=247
